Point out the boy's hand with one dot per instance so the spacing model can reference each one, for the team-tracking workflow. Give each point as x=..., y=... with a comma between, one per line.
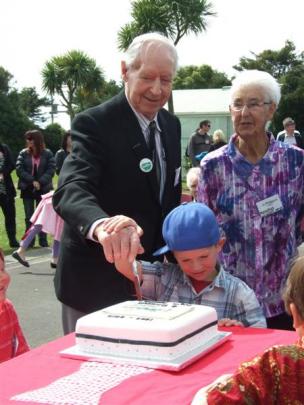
x=229, y=322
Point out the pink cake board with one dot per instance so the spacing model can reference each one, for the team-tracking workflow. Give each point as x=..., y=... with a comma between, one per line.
x=176, y=364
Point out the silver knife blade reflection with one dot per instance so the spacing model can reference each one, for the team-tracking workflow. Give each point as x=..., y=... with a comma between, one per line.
x=136, y=281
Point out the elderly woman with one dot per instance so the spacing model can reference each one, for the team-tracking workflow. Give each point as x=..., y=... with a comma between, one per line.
x=255, y=186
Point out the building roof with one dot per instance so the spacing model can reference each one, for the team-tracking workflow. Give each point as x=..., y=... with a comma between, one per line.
x=198, y=101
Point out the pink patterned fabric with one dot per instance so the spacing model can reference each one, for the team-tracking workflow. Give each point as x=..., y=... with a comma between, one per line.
x=46, y=216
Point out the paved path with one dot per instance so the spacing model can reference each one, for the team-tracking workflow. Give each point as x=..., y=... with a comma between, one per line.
x=32, y=292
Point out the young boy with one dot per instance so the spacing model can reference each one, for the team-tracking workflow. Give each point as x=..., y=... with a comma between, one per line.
x=12, y=341
x=192, y=234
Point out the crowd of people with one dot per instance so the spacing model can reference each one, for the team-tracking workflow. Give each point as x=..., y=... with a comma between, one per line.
x=119, y=196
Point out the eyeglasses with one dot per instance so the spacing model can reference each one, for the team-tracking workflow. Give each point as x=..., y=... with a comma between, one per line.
x=251, y=105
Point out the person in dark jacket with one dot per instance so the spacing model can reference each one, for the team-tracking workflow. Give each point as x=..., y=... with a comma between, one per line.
x=218, y=140
x=62, y=153
x=8, y=193
x=290, y=135
x=35, y=168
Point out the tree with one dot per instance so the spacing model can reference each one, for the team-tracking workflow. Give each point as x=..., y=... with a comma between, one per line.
x=85, y=99
x=200, y=77
x=287, y=66
x=70, y=74
x=277, y=63
x=174, y=19
x=13, y=120
x=53, y=134
x=31, y=104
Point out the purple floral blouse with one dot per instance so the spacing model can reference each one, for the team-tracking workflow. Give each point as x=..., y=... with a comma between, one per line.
x=259, y=249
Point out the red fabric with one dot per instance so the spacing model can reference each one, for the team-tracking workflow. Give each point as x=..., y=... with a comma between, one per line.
x=186, y=198
x=12, y=341
x=275, y=377
x=199, y=285
x=43, y=365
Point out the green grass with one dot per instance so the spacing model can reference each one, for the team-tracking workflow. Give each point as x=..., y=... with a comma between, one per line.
x=4, y=244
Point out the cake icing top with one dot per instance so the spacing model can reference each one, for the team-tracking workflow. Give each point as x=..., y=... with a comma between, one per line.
x=149, y=310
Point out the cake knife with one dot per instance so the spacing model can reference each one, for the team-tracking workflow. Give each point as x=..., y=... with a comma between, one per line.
x=136, y=281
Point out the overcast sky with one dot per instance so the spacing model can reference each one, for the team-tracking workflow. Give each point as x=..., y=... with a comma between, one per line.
x=32, y=31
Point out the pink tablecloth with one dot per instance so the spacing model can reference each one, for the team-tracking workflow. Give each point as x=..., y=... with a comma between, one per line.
x=41, y=366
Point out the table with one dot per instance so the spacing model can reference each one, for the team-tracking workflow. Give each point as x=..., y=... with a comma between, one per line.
x=43, y=365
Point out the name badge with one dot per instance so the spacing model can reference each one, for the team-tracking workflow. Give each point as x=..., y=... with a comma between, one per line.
x=269, y=205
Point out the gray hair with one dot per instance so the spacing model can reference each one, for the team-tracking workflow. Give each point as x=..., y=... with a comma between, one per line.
x=219, y=134
x=192, y=174
x=258, y=78
x=138, y=42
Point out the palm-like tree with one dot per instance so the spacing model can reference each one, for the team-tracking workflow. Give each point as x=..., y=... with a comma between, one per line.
x=174, y=19
x=69, y=74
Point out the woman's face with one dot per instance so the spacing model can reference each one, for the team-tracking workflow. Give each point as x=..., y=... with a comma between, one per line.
x=250, y=121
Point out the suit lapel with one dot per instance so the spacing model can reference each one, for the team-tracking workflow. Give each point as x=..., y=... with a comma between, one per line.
x=165, y=138
x=137, y=143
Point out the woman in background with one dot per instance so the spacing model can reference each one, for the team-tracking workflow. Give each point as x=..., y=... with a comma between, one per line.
x=62, y=153
x=218, y=140
x=35, y=168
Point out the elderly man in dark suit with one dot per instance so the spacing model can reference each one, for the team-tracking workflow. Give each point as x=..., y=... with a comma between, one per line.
x=125, y=160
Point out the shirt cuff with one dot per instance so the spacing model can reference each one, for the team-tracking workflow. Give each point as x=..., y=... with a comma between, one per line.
x=90, y=234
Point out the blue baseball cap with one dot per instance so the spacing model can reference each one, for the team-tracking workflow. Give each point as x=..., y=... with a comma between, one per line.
x=189, y=226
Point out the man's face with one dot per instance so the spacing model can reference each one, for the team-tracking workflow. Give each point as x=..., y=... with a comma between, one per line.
x=251, y=120
x=204, y=128
x=149, y=80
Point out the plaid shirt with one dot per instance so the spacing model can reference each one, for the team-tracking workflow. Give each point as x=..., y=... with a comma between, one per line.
x=259, y=249
x=228, y=295
x=12, y=341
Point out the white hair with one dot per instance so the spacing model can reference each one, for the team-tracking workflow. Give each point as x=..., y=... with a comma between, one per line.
x=219, y=134
x=260, y=79
x=138, y=42
x=192, y=175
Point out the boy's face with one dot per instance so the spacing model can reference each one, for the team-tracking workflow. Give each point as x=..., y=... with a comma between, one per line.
x=199, y=264
x=4, y=281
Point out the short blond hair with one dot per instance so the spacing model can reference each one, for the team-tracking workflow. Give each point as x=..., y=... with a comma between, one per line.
x=294, y=290
x=219, y=134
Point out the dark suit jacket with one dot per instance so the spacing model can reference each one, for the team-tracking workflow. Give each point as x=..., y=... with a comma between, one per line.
x=9, y=166
x=101, y=178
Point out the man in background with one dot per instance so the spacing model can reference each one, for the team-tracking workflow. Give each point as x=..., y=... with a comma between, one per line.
x=199, y=142
x=290, y=135
x=8, y=193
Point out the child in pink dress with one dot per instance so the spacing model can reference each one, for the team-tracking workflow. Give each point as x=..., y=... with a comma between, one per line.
x=12, y=340
x=44, y=219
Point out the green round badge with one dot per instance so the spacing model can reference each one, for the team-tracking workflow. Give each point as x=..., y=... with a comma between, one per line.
x=146, y=165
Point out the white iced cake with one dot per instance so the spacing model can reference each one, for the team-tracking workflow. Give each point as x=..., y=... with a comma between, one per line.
x=146, y=330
